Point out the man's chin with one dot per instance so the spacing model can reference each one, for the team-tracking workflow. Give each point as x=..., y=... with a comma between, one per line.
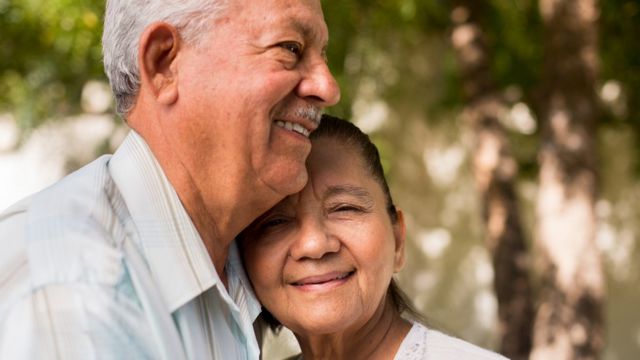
x=286, y=176
x=293, y=184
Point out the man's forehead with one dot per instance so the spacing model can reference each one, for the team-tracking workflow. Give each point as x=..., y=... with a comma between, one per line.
x=303, y=16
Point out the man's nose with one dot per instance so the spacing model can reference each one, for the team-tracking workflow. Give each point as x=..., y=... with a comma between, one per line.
x=313, y=241
x=319, y=85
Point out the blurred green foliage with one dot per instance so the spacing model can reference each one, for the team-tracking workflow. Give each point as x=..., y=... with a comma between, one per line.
x=620, y=56
x=49, y=49
x=395, y=50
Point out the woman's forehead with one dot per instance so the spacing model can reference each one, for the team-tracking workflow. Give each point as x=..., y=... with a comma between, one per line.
x=332, y=154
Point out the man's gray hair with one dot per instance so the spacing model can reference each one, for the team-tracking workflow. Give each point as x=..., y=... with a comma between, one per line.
x=124, y=22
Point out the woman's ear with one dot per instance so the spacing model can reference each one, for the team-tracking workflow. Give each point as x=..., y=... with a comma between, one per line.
x=157, y=56
x=400, y=233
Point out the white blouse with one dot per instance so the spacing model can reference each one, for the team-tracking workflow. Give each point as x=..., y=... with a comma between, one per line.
x=422, y=343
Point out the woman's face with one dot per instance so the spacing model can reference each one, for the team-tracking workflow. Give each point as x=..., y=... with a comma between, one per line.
x=321, y=260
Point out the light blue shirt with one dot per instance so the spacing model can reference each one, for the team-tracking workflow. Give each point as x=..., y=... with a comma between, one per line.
x=106, y=264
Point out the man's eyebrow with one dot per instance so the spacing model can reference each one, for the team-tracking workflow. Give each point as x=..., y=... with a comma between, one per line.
x=356, y=191
x=308, y=31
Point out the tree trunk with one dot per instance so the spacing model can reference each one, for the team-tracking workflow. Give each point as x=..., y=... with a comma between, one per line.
x=495, y=172
x=569, y=321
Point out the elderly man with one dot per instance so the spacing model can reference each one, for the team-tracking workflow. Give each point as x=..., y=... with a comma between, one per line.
x=132, y=256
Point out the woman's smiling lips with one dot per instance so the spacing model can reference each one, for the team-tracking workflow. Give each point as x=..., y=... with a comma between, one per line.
x=322, y=282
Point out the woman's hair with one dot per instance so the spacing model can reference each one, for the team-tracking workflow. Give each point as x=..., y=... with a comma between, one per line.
x=350, y=135
x=124, y=23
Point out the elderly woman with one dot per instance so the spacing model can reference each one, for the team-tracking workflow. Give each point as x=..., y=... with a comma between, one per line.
x=322, y=261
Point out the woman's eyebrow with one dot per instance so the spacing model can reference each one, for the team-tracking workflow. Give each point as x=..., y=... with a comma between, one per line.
x=355, y=191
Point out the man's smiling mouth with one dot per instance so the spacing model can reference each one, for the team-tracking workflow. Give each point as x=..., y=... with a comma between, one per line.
x=293, y=127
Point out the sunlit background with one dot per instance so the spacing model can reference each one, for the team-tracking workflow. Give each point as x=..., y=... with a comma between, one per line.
x=400, y=84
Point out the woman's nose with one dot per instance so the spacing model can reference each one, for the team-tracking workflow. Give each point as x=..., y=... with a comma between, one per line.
x=313, y=241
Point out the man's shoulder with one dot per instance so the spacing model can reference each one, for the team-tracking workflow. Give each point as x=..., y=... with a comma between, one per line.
x=77, y=190
x=69, y=231
x=71, y=197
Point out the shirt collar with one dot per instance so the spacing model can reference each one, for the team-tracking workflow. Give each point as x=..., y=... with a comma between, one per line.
x=240, y=287
x=177, y=257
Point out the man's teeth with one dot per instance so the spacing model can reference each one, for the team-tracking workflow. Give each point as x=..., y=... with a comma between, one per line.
x=293, y=127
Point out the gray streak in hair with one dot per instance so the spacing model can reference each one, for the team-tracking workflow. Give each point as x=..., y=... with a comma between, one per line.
x=124, y=23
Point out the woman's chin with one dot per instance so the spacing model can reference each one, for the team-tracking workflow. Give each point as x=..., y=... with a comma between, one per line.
x=318, y=328
x=322, y=324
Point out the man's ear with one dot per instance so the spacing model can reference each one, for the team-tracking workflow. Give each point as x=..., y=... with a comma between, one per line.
x=400, y=234
x=157, y=55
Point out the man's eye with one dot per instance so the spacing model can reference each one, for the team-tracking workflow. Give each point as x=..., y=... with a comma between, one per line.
x=293, y=47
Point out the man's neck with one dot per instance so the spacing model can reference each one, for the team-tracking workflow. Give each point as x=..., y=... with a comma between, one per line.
x=217, y=222
x=212, y=224
x=219, y=206
x=216, y=243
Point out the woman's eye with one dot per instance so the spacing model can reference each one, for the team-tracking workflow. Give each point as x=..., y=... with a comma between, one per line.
x=270, y=223
x=346, y=208
x=293, y=47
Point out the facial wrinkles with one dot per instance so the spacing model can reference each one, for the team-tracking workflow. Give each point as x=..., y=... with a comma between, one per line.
x=318, y=34
x=317, y=201
x=300, y=22
x=360, y=193
x=313, y=32
x=321, y=190
x=309, y=214
x=331, y=262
